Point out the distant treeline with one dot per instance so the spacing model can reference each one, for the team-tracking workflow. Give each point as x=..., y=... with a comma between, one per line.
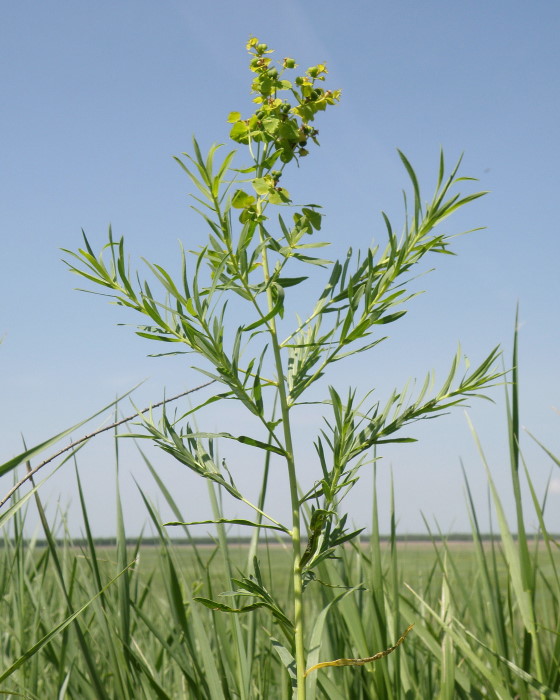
x=245, y=541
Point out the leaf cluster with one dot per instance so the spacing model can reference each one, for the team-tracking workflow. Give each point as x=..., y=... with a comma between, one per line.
x=252, y=587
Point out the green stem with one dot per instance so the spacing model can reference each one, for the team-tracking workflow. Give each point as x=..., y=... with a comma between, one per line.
x=294, y=498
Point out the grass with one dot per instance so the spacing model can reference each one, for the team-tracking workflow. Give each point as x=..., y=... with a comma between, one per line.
x=418, y=561
x=121, y=622
x=32, y=602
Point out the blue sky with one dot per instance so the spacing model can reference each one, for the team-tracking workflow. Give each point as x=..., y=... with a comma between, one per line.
x=97, y=97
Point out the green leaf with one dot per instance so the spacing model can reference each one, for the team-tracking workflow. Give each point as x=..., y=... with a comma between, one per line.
x=290, y=281
x=244, y=439
x=234, y=117
x=312, y=261
x=227, y=521
x=277, y=309
x=239, y=132
x=242, y=200
x=313, y=217
x=261, y=185
x=279, y=196
x=214, y=605
x=287, y=660
x=413, y=179
x=271, y=124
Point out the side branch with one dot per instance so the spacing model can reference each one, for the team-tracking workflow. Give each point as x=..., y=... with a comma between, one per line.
x=85, y=438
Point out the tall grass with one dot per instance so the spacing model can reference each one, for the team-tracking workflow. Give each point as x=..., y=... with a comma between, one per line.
x=87, y=621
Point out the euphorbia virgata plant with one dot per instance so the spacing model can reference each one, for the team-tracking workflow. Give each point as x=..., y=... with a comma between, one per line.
x=260, y=251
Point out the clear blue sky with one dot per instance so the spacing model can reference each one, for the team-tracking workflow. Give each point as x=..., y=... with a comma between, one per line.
x=97, y=97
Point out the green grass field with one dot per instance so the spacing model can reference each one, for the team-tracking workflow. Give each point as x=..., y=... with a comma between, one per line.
x=418, y=562
x=145, y=637
x=172, y=621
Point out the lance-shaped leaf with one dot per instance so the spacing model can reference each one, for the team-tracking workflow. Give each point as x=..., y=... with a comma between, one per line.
x=229, y=521
x=276, y=310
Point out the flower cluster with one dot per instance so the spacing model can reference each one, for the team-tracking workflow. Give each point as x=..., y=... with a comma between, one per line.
x=278, y=121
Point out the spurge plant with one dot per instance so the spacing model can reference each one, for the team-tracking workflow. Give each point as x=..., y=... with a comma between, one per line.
x=259, y=246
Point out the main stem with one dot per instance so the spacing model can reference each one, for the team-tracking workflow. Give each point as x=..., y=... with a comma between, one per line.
x=294, y=498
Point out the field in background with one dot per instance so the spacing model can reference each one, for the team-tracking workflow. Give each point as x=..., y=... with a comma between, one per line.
x=133, y=621
x=144, y=636
x=418, y=560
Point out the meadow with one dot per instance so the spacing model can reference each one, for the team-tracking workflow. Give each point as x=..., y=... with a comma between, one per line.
x=306, y=608
x=119, y=620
